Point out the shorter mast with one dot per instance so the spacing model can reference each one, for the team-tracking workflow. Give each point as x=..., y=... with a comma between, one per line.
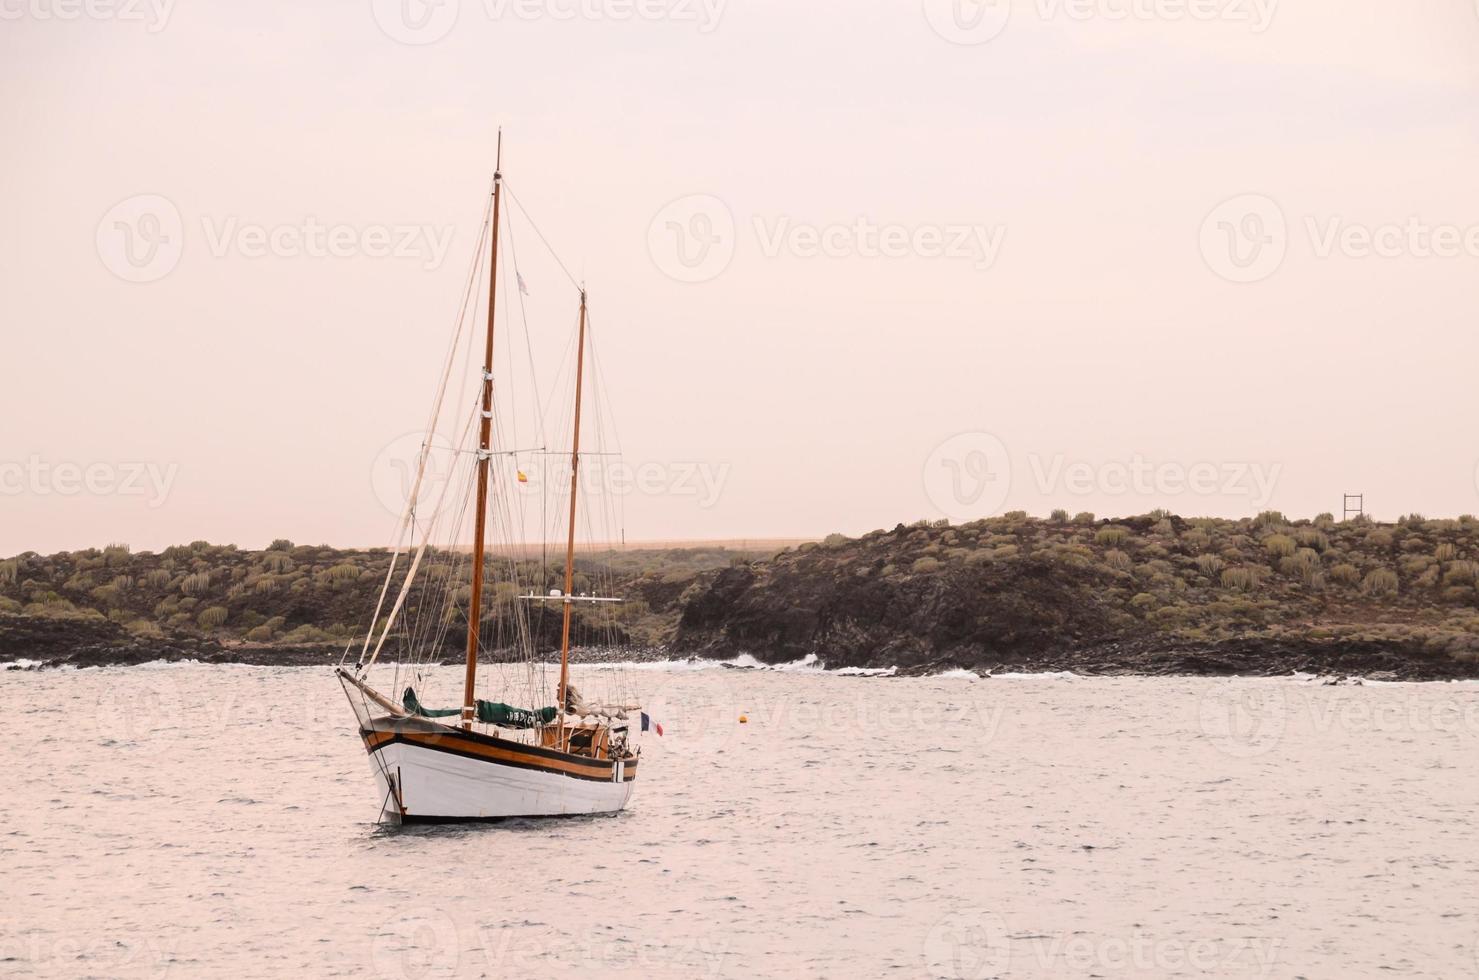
x=570, y=540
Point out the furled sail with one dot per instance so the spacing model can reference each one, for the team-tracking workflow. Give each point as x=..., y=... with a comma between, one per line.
x=489, y=712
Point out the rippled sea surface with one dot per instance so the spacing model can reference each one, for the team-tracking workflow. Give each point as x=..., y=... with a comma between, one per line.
x=192, y=820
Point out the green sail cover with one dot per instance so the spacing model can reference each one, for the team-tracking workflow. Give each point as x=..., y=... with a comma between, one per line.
x=489, y=712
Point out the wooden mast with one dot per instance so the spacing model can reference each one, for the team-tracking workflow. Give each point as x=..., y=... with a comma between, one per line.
x=475, y=605
x=570, y=539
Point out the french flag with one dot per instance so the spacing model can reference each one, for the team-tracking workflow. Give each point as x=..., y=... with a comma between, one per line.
x=648, y=723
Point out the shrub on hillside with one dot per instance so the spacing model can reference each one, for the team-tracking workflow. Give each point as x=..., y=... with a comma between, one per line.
x=1381, y=581
x=1243, y=579
x=1279, y=545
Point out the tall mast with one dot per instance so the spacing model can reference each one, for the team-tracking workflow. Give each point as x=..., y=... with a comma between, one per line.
x=475, y=605
x=570, y=540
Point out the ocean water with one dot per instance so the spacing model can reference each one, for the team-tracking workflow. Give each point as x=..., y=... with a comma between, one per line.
x=201, y=821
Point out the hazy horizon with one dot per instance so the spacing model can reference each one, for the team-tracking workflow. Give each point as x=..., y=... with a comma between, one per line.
x=848, y=267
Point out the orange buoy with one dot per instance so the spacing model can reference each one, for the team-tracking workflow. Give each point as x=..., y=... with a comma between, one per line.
x=744, y=719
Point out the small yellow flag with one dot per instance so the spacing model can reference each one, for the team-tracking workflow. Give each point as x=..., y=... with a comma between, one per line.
x=523, y=478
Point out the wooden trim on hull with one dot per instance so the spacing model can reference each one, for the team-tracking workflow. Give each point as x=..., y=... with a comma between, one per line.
x=472, y=745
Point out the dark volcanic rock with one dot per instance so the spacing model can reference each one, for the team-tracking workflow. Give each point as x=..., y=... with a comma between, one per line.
x=1013, y=594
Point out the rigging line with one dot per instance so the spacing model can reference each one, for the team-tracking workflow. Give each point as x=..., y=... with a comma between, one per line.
x=408, y=518
x=511, y=401
x=605, y=415
x=411, y=572
x=556, y=255
x=528, y=342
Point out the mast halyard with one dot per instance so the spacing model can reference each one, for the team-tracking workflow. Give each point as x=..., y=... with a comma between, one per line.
x=475, y=603
x=570, y=539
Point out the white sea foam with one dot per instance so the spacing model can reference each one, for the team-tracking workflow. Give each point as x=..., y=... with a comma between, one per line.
x=1046, y=675
x=958, y=673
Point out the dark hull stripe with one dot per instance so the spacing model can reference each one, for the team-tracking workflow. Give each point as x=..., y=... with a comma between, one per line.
x=502, y=754
x=411, y=818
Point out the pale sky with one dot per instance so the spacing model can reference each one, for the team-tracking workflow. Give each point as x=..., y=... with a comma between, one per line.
x=1102, y=255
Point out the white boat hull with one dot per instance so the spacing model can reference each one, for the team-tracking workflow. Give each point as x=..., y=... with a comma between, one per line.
x=416, y=782
x=427, y=771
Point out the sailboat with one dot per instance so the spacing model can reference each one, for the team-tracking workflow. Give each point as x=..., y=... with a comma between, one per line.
x=487, y=759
